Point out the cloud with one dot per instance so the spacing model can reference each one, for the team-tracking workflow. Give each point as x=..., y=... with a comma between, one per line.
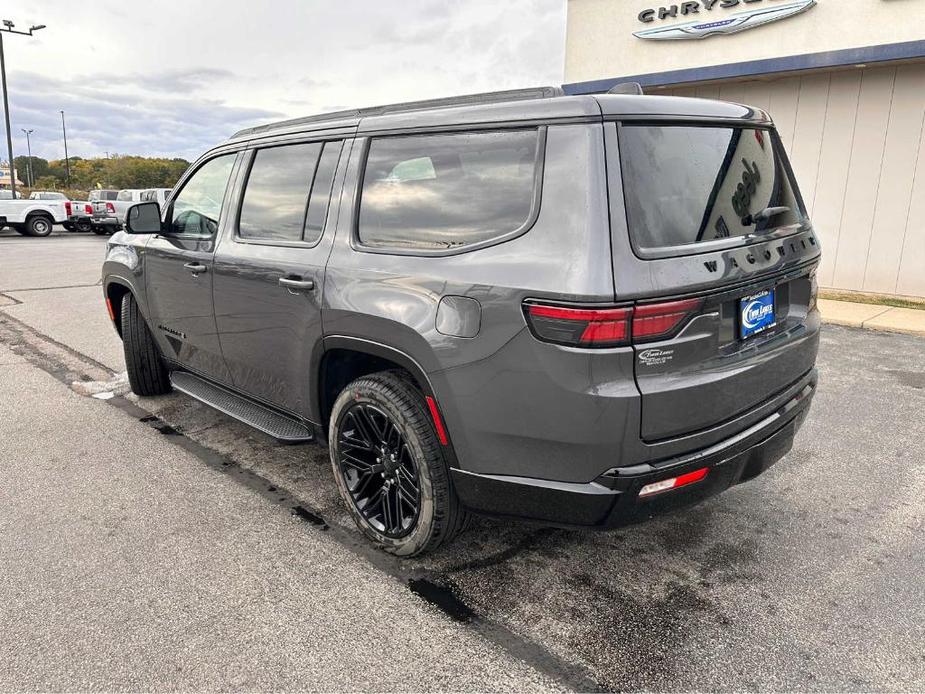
x=176, y=77
x=152, y=118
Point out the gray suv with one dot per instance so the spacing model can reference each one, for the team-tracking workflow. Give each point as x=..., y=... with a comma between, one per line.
x=577, y=310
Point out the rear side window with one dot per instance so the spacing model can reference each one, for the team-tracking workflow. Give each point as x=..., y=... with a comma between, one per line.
x=447, y=191
x=287, y=192
x=276, y=195
x=685, y=185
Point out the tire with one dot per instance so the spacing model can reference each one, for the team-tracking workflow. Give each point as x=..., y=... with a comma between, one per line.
x=84, y=227
x=39, y=225
x=20, y=229
x=100, y=231
x=370, y=404
x=147, y=373
x=68, y=227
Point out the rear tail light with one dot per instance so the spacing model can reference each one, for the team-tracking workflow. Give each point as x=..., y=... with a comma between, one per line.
x=110, y=207
x=603, y=327
x=658, y=320
x=88, y=208
x=674, y=482
x=67, y=208
x=608, y=327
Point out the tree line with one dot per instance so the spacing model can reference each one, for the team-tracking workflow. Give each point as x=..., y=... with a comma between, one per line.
x=116, y=172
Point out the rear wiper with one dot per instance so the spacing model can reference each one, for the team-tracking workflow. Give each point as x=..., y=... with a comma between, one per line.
x=763, y=216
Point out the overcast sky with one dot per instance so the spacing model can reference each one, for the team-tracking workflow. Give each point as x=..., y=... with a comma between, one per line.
x=174, y=77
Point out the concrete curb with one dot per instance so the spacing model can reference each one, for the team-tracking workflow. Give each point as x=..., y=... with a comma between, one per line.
x=873, y=317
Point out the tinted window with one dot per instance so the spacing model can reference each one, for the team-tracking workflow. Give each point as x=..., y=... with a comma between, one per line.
x=684, y=185
x=321, y=192
x=435, y=192
x=197, y=208
x=276, y=194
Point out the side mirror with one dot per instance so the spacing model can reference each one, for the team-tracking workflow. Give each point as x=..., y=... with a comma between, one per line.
x=143, y=218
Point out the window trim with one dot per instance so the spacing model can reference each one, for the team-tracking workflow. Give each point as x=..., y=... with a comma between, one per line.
x=251, y=154
x=713, y=245
x=196, y=167
x=535, y=202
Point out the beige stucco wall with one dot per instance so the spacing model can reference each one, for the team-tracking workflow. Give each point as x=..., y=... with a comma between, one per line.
x=856, y=139
x=600, y=41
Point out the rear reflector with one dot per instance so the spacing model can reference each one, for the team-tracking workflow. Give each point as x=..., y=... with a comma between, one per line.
x=674, y=482
x=608, y=327
x=112, y=315
x=438, y=423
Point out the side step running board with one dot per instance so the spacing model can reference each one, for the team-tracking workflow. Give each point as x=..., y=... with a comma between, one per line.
x=277, y=425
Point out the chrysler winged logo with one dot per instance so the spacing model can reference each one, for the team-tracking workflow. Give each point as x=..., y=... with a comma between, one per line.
x=731, y=24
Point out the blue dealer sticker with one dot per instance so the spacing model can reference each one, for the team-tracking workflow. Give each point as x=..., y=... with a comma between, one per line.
x=756, y=313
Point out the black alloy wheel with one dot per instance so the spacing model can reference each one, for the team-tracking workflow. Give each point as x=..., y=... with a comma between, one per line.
x=379, y=470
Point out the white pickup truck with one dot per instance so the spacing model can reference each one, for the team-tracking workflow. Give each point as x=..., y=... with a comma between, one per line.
x=33, y=217
x=109, y=215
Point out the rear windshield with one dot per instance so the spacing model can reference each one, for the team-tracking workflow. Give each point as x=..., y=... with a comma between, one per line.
x=691, y=184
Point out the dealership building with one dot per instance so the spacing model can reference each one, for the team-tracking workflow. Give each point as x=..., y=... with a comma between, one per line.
x=844, y=81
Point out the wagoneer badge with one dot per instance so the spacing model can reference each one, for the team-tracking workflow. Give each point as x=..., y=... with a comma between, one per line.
x=730, y=24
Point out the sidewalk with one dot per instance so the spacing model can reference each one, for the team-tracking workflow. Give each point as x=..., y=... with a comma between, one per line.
x=873, y=316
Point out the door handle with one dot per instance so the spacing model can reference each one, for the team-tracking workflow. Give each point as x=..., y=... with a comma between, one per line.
x=294, y=283
x=195, y=268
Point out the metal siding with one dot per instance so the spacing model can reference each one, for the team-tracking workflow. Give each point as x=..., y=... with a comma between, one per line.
x=864, y=175
x=784, y=97
x=805, y=155
x=892, y=221
x=911, y=279
x=835, y=161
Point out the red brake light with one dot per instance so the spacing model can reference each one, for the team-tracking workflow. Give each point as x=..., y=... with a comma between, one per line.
x=656, y=320
x=110, y=207
x=608, y=327
x=581, y=327
x=67, y=208
x=88, y=208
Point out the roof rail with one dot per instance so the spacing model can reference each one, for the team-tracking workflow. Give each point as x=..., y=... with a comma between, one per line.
x=446, y=102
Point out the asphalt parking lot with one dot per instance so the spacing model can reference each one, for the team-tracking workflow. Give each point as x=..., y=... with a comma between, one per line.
x=154, y=543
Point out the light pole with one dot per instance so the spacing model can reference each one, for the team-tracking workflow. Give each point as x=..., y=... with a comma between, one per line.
x=29, y=149
x=67, y=163
x=8, y=28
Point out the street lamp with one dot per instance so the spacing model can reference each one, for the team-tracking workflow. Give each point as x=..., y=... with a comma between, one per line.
x=67, y=162
x=29, y=149
x=8, y=28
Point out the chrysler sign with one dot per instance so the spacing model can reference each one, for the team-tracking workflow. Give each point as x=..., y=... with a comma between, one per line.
x=755, y=14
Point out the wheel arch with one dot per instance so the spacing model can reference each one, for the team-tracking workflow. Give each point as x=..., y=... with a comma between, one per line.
x=347, y=358
x=115, y=291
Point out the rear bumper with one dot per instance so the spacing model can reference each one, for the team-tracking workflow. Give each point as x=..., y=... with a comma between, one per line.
x=613, y=499
x=107, y=222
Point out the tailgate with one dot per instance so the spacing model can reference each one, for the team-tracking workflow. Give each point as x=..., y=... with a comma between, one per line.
x=712, y=213
x=711, y=372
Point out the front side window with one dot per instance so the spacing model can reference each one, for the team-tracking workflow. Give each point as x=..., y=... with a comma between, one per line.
x=440, y=192
x=685, y=185
x=198, y=206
